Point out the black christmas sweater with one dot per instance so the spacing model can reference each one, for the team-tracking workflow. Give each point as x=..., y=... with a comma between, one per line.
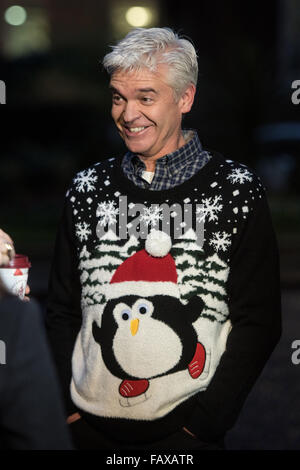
x=164, y=306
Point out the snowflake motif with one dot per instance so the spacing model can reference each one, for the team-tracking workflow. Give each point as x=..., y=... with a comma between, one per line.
x=85, y=180
x=83, y=231
x=107, y=213
x=151, y=216
x=220, y=241
x=211, y=206
x=239, y=175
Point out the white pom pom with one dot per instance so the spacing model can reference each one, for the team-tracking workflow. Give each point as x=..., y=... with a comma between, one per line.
x=158, y=243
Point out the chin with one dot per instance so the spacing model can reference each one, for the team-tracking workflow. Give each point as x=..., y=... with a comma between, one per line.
x=137, y=149
x=138, y=152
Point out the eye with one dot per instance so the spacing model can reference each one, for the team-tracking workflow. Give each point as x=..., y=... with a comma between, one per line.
x=125, y=314
x=116, y=99
x=143, y=308
x=146, y=100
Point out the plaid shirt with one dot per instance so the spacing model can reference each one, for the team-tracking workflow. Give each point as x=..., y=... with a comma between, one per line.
x=172, y=169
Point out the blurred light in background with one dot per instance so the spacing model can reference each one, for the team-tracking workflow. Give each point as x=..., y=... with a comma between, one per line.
x=15, y=15
x=276, y=170
x=278, y=131
x=138, y=16
x=125, y=15
x=32, y=35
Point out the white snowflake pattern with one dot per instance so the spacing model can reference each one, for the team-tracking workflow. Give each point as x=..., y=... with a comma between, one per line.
x=107, y=213
x=211, y=206
x=85, y=180
x=151, y=215
x=239, y=175
x=220, y=241
x=83, y=231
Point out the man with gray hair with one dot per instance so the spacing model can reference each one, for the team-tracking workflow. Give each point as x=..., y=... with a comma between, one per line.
x=159, y=334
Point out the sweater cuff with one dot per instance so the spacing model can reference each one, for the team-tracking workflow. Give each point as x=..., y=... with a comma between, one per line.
x=203, y=425
x=72, y=409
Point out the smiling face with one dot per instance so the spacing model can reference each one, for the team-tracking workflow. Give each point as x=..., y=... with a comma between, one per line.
x=145, y=111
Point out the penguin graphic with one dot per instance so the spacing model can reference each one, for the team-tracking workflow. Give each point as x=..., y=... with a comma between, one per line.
x=146, y=332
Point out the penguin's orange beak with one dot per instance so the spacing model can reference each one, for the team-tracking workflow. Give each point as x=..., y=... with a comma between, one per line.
x=134, y=326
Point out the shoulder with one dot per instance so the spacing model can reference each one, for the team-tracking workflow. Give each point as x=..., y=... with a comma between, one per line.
x=12, y=307
x=235, y=191
x=236, y=178
x=88, y=180
x=15, y=313
x=85, y=179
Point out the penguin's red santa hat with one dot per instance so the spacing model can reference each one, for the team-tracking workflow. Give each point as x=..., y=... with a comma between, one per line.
x=149, y=272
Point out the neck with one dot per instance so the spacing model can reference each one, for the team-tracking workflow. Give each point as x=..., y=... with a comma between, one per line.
x=150, y=161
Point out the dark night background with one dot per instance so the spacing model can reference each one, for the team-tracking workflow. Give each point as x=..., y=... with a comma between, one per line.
x=56, y=121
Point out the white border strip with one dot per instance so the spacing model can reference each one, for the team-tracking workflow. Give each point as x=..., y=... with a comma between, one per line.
x=141, y=288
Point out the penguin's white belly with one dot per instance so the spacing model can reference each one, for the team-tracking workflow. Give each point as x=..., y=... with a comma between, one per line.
x=153, y=350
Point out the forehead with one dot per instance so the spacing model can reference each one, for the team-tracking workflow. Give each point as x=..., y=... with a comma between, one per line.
x=141, y=78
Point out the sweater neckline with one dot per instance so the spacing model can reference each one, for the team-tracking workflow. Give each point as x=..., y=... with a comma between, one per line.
x=200, y=178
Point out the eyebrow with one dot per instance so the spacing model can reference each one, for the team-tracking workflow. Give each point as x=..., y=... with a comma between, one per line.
x=141, y=90
x=147, y=90
x=114, y=90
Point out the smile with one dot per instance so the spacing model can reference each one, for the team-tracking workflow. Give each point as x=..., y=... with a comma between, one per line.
x=134, y=131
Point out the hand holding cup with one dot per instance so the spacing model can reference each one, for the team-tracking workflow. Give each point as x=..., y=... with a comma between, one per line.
x=13, y=268
x=7, y=251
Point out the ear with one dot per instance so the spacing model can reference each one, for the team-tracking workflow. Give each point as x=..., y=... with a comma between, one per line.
x=187, y=99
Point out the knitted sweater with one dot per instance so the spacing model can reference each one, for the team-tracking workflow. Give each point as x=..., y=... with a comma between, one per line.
x=167, y=303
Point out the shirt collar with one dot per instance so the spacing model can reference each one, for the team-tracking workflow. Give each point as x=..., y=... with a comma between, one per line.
x=174, y=161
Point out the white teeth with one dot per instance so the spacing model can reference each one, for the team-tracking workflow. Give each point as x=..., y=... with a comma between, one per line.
x=136, y=129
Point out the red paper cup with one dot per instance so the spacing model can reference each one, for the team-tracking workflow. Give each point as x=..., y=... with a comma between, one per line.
x=14, y=275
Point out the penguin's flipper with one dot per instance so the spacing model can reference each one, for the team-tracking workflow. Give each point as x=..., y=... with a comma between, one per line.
x=194, y=308
x=96, y=332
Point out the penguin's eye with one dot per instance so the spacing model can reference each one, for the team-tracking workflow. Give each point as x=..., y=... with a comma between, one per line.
x=143, y=308
x=121, y=312
x=125, y=314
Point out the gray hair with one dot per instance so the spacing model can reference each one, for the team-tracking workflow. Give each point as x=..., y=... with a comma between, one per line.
x=144, y=47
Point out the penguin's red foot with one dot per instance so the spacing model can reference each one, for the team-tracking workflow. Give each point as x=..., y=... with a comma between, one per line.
x=196, y=365
x=133, y=388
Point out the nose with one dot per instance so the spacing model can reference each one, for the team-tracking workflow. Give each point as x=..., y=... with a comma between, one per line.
x=131, y=112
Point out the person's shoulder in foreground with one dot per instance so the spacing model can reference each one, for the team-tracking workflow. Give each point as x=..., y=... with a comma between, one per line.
x=31, y=410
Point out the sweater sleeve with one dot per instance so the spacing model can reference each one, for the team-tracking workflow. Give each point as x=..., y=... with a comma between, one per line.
x=255, y=314
x=63, y=320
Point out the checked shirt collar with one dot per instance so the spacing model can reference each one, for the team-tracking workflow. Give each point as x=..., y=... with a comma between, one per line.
x=172, y=169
